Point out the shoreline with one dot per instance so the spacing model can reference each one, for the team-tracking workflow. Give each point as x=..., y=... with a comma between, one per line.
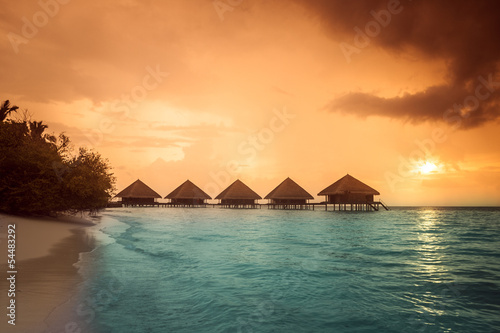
x=47, y=278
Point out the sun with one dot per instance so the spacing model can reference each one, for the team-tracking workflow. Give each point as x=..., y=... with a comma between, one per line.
x=427, y=168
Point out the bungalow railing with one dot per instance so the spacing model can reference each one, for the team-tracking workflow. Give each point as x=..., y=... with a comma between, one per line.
x=384, y=204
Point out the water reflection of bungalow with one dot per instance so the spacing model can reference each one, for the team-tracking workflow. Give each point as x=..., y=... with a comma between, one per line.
x=138, y=194
x=352, y=193
x=238, y=195
x=289, y=195
x=188, y=195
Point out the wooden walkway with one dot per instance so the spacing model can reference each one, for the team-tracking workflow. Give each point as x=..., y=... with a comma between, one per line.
x=356, y=207
x=344, y=207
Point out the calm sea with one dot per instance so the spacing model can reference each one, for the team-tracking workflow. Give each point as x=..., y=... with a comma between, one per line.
x=220, y=270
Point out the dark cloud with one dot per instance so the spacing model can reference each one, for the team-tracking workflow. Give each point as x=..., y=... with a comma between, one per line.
x=462, y=33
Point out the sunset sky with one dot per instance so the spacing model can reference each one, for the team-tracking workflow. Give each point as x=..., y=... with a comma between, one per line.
x=403, y=95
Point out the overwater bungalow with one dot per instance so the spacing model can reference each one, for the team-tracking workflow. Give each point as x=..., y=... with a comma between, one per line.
x=289, y=195
x=188, y=195
x=350, y=192
x=238, y=195
x=138, y=194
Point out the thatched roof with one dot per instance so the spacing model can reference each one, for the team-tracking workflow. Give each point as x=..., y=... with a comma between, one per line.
x=188, y=190
x=238, y=190
x=288, y=189
x=348, y=184
x=138, y=190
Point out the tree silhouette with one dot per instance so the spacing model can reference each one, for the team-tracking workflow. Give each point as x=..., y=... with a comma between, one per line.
x=6, y=109
x=39, y=174
x=36, y=130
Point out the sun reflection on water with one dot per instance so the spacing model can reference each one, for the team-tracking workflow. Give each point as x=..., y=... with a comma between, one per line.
x=430, y=266
x=429, y=248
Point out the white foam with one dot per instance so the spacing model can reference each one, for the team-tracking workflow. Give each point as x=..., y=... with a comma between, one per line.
x=102, y=239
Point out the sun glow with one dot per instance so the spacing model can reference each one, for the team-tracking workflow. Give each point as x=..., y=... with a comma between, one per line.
x=427, y=167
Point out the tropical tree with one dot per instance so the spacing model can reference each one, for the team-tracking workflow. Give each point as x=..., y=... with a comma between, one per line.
x=89, y=182
x=6, y=109
x=38, y=174
x=36, y=129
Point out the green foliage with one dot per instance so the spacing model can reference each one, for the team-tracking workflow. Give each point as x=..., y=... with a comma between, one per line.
x=38, y=174
x=88, y=181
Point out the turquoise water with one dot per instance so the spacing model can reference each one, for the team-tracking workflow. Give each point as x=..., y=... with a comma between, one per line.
x=221, y=270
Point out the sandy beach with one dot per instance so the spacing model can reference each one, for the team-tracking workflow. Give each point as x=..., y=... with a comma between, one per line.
x=46, y=280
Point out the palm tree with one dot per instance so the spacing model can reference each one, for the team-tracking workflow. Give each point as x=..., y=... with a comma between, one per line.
x=6, y=109
x=36, y=130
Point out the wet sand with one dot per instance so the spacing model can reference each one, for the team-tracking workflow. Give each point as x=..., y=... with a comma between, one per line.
x=46, y=279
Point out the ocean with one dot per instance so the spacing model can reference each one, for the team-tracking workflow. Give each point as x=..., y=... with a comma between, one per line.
x=423, y=269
